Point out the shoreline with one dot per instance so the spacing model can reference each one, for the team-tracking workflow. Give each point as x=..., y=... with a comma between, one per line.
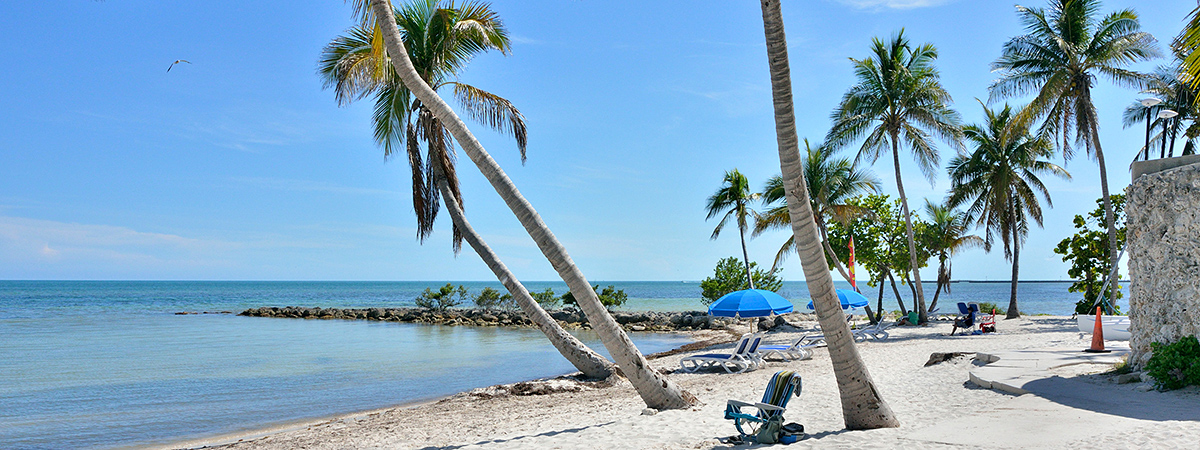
x=225, y=440
x=928, y=400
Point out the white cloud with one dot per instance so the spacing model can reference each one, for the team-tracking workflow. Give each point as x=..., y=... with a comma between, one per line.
x=893, y=4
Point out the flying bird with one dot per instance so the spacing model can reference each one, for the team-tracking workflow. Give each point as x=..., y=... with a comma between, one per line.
x=177, y=62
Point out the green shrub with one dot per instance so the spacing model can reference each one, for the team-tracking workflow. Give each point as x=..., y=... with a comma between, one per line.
x=1175, y=365
x=491, y=298
x=545, y=298
x=609, y=297
x=986, y=308
x=445, y=298
x=730, y=276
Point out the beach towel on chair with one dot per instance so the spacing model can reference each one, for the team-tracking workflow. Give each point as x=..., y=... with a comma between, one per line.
x=766, y=424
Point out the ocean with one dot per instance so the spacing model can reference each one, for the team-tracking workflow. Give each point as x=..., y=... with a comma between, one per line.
x=108, y=364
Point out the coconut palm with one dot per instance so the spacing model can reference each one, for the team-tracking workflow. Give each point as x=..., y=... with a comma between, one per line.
x=1178, y=96
x=441, y=40
x=357, y=68
x=655, y=389
x=898, y=100
x=733, y=199
x=831, y=182
x=999, y=180
x=1188, y=44
x=863, y=407
x=1058, y=59
x=948, y=228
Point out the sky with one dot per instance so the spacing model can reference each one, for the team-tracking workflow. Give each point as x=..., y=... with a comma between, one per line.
x=240, y=166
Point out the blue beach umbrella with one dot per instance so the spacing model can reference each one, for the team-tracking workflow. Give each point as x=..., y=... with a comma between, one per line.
x=850, y=299
x=750, y=303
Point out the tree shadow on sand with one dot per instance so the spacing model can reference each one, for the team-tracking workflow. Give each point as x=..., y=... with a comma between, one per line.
x=1116, y=401
x=518, y=438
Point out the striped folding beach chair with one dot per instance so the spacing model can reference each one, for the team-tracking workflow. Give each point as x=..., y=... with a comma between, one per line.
x=782, y=387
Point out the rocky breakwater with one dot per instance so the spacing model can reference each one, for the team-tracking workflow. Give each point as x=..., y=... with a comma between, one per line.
x=631, y=321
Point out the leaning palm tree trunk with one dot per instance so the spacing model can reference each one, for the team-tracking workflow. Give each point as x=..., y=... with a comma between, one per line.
x=919, y=298
x=862, y=406
x=656, y=390
x=583, y=358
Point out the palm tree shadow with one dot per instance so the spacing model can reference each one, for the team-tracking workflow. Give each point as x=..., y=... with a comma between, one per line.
x=518, y=438
x=1115, y=401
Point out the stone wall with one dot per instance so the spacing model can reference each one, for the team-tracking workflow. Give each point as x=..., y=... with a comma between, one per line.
x=1164, y=257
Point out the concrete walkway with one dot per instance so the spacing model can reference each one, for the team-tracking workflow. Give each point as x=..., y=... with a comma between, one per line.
x=1016, y=371
x=1051, y=411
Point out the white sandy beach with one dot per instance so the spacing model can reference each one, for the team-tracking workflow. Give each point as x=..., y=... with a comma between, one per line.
x=932, y=404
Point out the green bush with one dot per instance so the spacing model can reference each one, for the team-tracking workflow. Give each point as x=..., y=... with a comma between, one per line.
x=545, y=298
x=986, y=308
x=730, y=276
x=609, y=297
x=1175, y=365
x=491, y=298
x=445, y=298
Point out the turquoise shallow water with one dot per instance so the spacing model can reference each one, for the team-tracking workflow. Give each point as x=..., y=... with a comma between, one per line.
x=109, y=364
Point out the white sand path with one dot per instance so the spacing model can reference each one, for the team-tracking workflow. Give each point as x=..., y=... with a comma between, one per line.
x=929, y=401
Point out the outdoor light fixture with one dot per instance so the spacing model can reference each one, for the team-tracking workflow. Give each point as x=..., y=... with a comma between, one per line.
x=1148, y=102
x=1164, y=115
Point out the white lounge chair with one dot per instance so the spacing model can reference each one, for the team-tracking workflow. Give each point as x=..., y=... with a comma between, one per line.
x=745, y=357
x=800, y=350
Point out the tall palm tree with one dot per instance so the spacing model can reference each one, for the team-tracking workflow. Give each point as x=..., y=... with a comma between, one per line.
x=656, y=390
x=441, y=40
x=356, y=67
x=831, y=183
x=733, y=199
x=1058, y=59
x=862, y=405
x=1166, y=84
x=1000, y=182
x=948, y=227
x=898, y=99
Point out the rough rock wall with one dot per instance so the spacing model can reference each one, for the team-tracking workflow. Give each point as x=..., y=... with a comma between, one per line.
x=1164, y=257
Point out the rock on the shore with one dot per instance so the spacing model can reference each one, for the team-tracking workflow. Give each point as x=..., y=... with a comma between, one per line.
x=632, y=321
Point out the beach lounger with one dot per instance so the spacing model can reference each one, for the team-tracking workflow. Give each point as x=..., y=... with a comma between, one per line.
x=780, y=389
x=745, y=357
x=800, y=350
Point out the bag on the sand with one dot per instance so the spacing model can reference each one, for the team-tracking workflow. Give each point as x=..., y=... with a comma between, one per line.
x=769, y=433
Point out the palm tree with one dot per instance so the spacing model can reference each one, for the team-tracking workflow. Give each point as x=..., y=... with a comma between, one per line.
x=357, y=67
x=862, y=405
x=1188, y=45
x=1058, y=59
x=1176, y=95
x=732, y=198
x=948, y=227
x=898, y=99
x=656, y=390
x=1000, y=181
x=441, y=41
x=831, y=183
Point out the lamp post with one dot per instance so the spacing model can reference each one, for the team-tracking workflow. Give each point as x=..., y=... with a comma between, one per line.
x=1165, y=115
x=1148, y=103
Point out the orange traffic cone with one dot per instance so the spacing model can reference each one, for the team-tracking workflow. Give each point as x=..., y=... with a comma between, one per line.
x=1098, y=336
